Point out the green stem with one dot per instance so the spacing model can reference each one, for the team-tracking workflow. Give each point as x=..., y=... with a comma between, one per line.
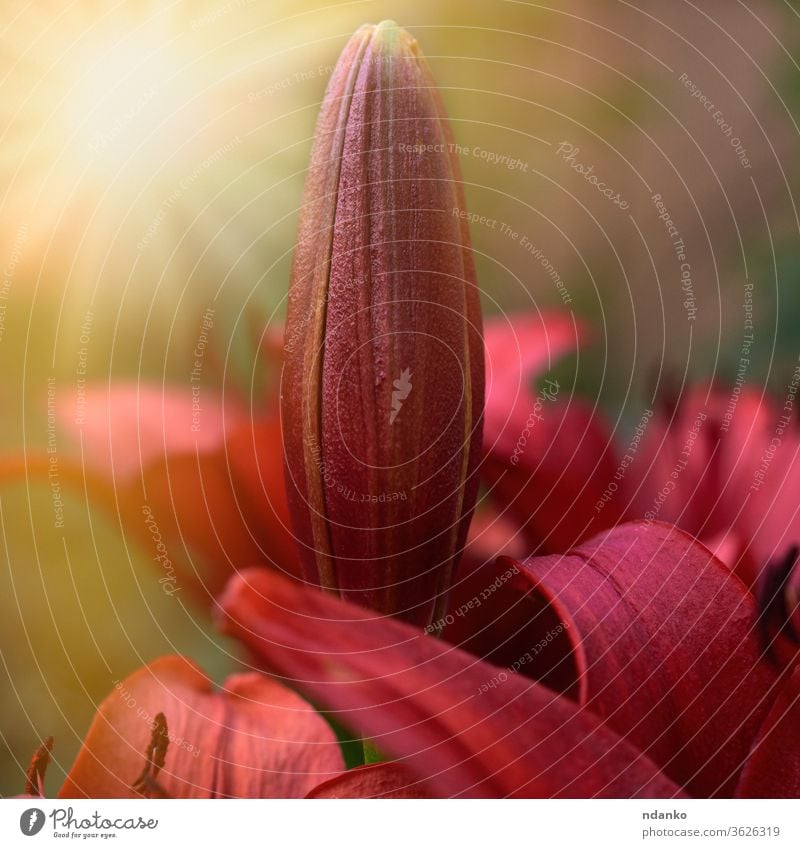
x=371, y=753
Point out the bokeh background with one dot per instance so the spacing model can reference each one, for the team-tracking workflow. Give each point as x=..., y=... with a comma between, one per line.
x=152, y=158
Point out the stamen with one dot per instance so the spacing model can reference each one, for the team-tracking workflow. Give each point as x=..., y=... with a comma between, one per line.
x=155, y=753
x=34, y=776
x=778, y=602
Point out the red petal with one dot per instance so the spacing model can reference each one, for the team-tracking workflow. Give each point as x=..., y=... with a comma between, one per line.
x=251, y=739
x=741, y=477
x=519, y=348
x=379, y=780
x=126, y=426
x=455, y=723
x=548, y=458
x=217, y=511
x=550, y=473
x=211, y=493
x=773, y=769
x=648, y=630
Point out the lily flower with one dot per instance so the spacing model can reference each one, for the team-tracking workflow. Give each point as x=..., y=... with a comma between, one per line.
x=722, y=465
x=383, y=384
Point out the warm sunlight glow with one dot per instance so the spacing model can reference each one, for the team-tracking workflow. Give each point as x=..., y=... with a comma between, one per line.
x=124, y=97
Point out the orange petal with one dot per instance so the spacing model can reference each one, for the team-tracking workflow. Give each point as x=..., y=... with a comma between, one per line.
x=253, y=738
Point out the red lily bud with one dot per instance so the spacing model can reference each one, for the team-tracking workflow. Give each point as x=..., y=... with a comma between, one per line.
x=383, y=384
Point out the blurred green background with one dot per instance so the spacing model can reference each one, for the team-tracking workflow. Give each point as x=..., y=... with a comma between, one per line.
x=153, y=157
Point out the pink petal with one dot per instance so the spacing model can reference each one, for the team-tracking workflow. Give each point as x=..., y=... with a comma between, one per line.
x=739, y=478
x=548, y=457
x=216, y=511
x=518, y=349
x=213, y=497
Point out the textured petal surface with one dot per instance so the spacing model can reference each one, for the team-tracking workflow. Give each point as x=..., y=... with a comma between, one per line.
x=383, y=382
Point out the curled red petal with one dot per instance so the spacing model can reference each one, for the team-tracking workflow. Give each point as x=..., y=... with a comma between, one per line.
x=465, y=727
x=646, y=628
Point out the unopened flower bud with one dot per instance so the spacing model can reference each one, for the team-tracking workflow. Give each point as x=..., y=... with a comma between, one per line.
x=383, y=385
